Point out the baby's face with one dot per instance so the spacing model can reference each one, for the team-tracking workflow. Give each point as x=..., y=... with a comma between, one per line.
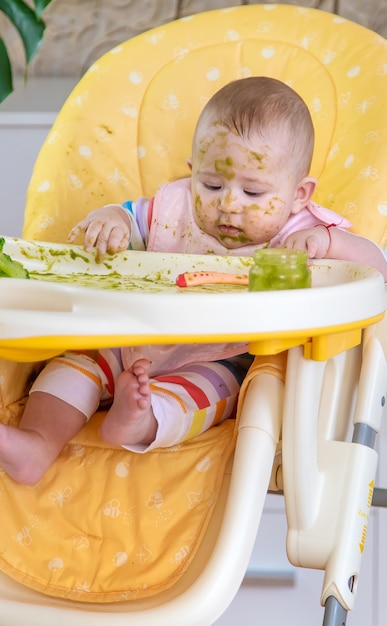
x=242, y=190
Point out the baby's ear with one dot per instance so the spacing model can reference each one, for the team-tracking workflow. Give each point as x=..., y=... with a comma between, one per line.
x=304, y=192
x=189, y=163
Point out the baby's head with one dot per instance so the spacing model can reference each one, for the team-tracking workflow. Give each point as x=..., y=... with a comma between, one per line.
x=261, y=106
x=251, y=155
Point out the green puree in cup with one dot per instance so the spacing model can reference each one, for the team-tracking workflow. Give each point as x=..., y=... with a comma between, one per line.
x=279, y=268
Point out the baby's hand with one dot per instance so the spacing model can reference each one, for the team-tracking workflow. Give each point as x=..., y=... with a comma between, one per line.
x=315, y=241
x=107, y=229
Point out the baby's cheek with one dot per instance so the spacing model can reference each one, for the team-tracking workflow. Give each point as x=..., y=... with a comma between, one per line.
x=259, y=211
x=263, y=223
x=204, y=210
x=198, y=204
x=198, y=209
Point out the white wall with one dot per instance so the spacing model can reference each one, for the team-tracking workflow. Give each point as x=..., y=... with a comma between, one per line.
x=25, y=119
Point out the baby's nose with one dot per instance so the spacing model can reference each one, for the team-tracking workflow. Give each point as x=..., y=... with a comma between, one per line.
x=228, y=204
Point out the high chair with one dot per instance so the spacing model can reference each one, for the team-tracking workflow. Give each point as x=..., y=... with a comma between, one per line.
x=66, y=545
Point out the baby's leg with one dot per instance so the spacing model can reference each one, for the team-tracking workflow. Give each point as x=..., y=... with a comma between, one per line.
x=186, y=402
x=130, y=419
x=47, y=424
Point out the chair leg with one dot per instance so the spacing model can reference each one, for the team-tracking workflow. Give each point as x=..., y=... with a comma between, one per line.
x=379, y=497
x=334, y=613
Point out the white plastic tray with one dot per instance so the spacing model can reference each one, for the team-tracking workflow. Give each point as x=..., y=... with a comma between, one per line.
x=154, y=308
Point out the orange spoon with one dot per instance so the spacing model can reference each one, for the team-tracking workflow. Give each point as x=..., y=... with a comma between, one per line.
x=194, y=279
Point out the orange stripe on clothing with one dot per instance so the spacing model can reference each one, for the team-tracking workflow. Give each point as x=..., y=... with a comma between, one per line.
x=220, y=409
x=90, y=375
x=169, y=393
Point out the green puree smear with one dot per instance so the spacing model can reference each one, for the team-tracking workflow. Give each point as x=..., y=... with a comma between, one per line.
x=72, y=266
x=8, y=267
x=119, y=282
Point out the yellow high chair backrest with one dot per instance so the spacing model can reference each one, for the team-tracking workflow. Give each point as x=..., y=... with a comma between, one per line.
x=127, y=126
x=125, y=129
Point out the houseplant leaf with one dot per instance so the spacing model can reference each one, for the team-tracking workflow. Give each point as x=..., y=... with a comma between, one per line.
x=29, y=26
x=6, y=85
x=40, y=5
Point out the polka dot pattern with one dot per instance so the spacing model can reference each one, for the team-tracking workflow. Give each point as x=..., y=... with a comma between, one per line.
x=125, y=129
x=106, y=525
x=127, y=126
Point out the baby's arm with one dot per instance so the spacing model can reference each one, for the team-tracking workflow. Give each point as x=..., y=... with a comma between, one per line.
x=350, y=247
x=333, y=243
x=109, y=229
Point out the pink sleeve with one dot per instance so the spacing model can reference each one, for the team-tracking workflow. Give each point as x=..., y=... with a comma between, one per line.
x=310, y=216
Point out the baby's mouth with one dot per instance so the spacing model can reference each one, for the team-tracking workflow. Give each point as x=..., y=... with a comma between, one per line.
x=225, y=230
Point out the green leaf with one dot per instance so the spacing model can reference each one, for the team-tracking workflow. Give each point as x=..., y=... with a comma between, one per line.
x=6, y=86
x=40, y=5
x=29, y=26
x=9, y=267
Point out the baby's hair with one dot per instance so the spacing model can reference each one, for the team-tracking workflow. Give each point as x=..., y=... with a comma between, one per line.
x=259, y=103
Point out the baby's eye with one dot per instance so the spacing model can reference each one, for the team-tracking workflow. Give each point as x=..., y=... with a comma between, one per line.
x=212, y=187
x=252, y=194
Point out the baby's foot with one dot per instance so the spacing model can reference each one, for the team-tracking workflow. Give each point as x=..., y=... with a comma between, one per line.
x=22, y=454
x=130, y=419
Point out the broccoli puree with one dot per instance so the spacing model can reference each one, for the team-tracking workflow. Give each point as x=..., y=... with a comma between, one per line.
x=153, y=283
x=72, y=266
x=277, y=268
